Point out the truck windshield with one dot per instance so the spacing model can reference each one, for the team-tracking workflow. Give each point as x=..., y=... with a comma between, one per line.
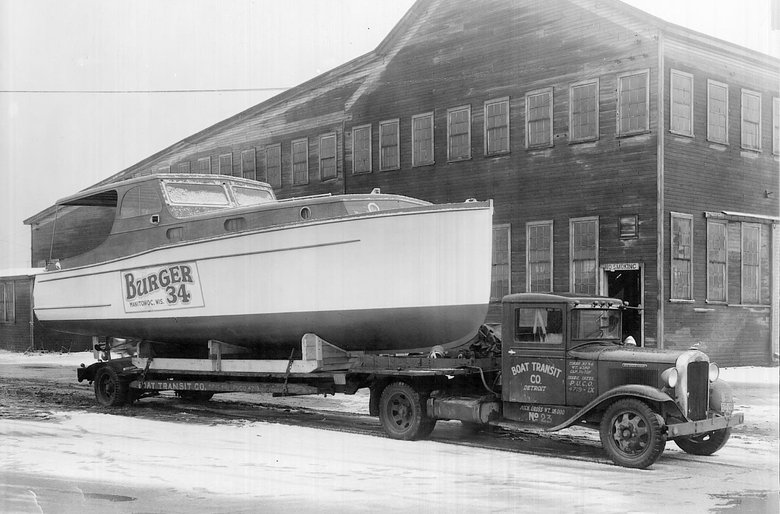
x=593, y=324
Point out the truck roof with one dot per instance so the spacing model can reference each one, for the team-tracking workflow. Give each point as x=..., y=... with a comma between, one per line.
x=561, y=297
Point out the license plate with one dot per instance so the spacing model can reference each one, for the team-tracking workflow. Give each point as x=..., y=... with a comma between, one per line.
x=726, y=407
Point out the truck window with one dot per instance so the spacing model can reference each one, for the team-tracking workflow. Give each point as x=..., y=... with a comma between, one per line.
x=539, y=325
x=595, y=324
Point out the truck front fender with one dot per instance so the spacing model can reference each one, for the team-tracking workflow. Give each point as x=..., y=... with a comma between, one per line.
x=642, y=392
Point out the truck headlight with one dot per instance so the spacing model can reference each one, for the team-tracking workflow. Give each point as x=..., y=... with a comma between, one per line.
x=714, y=372
x=669, y=377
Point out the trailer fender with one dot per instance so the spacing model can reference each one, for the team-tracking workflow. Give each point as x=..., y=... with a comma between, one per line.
x=641, y=392
x=89, y=373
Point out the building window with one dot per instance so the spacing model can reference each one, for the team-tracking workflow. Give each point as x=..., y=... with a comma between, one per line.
x=751, y=120
x=273, y=165
x=584, y=111
x=538, y=116
x=717, y=112
x=422, y=139
x=633, y=103
x=682, y=103
x=776, y=126
x=328, y=157
x=751, y=263
x=7, y=302
x=501, y=276
x=361, y=149
x=497, y=127
x=204, y=165
x=389, y=146
x=539, y=248
x=682, y=253
x=459, y=133
x=300, y=161
x=584, y=244
x=628, y=227
x=717, y=285
x=248, y=164
x=164, y=169
x=183, y=167
x=226, y=164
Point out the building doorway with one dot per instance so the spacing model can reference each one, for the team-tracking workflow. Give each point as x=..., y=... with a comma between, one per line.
x=625, y=281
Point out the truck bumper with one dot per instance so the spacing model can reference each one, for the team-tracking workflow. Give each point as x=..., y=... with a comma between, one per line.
x=703, y=426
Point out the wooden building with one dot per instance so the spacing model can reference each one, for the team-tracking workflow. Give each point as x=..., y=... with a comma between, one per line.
x=626, y=156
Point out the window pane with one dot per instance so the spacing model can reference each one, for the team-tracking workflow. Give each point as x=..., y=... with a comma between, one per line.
x=388, y=146
x=422, y=140
x=584, y=245
x=328, y=157
x=539, y=121
x=500, y=279
x=539, y=325
x=681, y=258
x=300, y=162
x=682, y=101
x=361, y=149
x=751, y=121
x=717, y=108
x=716, y=262
x=248, y=164
x=633, y=98
x=497, y=127
x=273, y=165
x=140, y=200
x=204, y=165
x=540, y=258
x=584, y=112
x=750, y=263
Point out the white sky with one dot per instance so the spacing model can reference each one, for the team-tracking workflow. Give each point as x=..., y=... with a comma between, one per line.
x=54, y=144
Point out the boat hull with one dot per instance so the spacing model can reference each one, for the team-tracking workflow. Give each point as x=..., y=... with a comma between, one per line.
x=381, y=281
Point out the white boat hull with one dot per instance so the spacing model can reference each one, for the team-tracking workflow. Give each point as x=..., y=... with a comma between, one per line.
x=379, y=281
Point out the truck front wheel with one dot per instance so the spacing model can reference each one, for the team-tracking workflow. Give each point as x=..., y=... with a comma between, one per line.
x=110, y=389
x=705, y=444
x=402, y=412
x=632, y=434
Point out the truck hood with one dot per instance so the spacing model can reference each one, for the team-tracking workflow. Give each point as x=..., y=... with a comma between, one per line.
x=614, y=353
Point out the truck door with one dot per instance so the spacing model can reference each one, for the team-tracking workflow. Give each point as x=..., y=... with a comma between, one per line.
x=534, y=356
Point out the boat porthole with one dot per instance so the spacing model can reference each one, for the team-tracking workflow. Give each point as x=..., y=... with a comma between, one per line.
x=372, y=207
x=305, y=213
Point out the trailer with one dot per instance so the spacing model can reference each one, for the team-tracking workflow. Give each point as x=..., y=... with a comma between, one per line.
x=557, y=362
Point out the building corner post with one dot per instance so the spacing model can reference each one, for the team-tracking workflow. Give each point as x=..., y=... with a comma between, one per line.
x=660, y=197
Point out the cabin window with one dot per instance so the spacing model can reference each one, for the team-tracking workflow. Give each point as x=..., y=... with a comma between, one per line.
x=251, y=196
x=248, y=164
x=184, y=193
x=204, y=165
x=226, y=164
x=751, y=263
x=500, y=281
x=584, y=111
x=584, y=248
x=273, y=165
x=183, y=167
x=538, y=118
x=141, y=200
x=633, y=103
x=776, y=126
x=539, y=325
x=751, y=120
x=682, y=103
x=682, y=253
x=459, y=133
x=389, y=146
x=300, y=161
x=717, y=112
x=717, y=284
x=422, y=139
x=7, y=302
x=361, y=149
x=328, y=157
x=539, y=249
x=497, y=127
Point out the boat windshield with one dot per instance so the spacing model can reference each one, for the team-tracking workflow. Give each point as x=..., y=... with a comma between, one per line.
x=252, y=195
x=592, y=324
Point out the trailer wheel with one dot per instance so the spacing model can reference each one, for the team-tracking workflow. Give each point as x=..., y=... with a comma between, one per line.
x=110, y=389
x=402, y=413
x=705, y=444
x=632, y=434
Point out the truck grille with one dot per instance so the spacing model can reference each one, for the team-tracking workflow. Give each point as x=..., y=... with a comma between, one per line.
x=698, y=389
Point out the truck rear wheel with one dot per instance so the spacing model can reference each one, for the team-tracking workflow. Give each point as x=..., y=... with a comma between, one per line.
x=110, y=389
x=632, y=434
x=402, y=412
x=705, y=444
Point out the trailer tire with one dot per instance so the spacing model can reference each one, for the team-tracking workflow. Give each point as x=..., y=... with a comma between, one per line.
x=402, y=412
x=632, y=433
x=110, y=389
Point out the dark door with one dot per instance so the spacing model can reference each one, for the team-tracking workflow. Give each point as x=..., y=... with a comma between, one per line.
x=627, y=285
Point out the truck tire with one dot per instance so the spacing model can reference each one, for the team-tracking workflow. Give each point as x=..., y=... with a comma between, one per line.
x=632, y=433
x=402, y=413
x=110, y=389
x=705, y=444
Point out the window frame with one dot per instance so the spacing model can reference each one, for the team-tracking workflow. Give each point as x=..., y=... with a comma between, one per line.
x=507, y=227
x=335, y=158
x=254, y=163
x=296, y=142
x=355, y=170
x=397, y=165
x=183, y=167
x=742, y=121
x=486, y=130
x=416, y=143
x=672, y=281
x=450, y=113
x=8, y=314
x=221, y=156
x=278, y=148
x=677, y=73
x=723, y=224
x=620, y=109
x=711, y=84
x=776, y=125
x=742, y=232
x=202, y=160
x=572, y=268
x=538, y=92
x=584, y=83
x=528, y=275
